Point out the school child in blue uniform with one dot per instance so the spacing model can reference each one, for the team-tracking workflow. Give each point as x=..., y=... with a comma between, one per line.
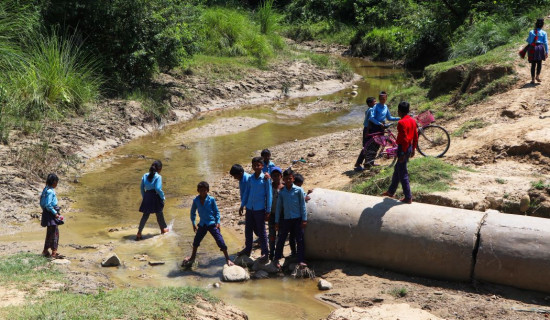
x=209, y=222
x=50, y=216
x=238, y=173
x=152, y=198
x=257, y=200
x=267, y=163
x=290, y=215
x=276, y=185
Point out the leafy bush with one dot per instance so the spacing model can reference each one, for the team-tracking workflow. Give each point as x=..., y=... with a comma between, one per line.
x=266, y=15
x=133, y=38
x=382, y=43
x=325, y=30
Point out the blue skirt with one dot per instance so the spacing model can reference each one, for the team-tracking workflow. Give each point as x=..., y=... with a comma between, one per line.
x=48, y=219
x=151, y=203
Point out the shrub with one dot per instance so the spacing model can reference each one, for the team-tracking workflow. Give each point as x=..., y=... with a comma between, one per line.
x=266, y=16
x=382, y=43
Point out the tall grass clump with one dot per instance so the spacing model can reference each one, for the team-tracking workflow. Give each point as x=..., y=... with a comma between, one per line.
x=56, y=77
x=382, y=43
x=266, y=16
x=26, y=268
x=487, y=34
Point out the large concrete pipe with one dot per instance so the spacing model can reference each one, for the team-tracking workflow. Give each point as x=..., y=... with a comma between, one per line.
x=515, y=250
x=419, y=239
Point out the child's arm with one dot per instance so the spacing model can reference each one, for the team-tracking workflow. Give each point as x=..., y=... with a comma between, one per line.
x=244, y=200
x=142, y=187
x=194, y=215
x=216, y=213
x=269, y=196
x=51, y=202
x=303, y=212
x=389, y=117
x=158, y=188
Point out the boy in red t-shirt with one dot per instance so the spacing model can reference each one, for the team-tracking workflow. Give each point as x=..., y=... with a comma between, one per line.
x=407, y=140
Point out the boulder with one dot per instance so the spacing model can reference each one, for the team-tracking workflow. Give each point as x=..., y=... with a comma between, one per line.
x=61, y=261
x=261, y=274
x=265, y=266
x=112, y=261
x=234, y=274
x=244, y=261
x=324, y=284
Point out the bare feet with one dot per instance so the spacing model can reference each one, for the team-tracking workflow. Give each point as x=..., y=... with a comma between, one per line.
x=230, y=263
x=187, y=262
x=138, y=236
x=386, y=194
x=165, y=230
x=538, y=79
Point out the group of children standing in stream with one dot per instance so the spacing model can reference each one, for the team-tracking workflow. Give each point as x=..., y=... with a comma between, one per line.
x=269, y=194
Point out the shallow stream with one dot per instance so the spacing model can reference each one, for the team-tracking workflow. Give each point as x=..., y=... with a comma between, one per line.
x=109, y=196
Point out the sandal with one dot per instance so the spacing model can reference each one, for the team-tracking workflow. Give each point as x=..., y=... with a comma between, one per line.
x=187, y=263
x=57, y=256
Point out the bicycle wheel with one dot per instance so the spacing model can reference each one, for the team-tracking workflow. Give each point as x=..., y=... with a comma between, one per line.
x=433, y=141
x=377, y=155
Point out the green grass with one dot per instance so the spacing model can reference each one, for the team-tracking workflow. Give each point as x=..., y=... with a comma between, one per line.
x=151, y=101
x=27, y=269
x=469, y=125
x=343, y=69
x=144, y=303
x=501, y=181
x=540, y=185
x=426, y=175
x=398, y=292
x=324, y=31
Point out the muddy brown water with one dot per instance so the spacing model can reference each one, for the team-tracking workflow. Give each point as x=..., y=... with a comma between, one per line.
x=109, y=196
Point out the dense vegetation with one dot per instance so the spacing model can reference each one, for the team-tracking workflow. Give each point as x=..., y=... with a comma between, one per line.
x=58, y=55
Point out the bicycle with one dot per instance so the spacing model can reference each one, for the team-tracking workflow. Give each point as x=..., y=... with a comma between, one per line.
x=433, y=141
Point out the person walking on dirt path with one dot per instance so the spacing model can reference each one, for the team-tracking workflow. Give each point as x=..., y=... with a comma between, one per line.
x=538, y=49
x=370, y=103
x=152, y=198
x=50, y=217
x=378, y=114
x=407, y=141
x=257, y=200
x=209, y=222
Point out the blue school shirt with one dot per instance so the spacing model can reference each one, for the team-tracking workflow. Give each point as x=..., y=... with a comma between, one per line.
x=208, y=212
x=258, y=196
x=292, y=202
x=243, y=184
x=268, y=167
x=379, y=113
x=543, y=39
x=48, y=200
x=156, y=185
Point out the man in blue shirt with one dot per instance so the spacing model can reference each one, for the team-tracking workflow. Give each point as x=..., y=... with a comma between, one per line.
x=376, y=120
x=257, y=200
x=292, y=204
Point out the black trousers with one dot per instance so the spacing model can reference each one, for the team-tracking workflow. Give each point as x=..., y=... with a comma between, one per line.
x=367, y=154
x=538, y=65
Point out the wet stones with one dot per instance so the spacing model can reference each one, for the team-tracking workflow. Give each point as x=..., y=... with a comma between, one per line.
x=234, y=274
x=111, y=261
x=323, y=284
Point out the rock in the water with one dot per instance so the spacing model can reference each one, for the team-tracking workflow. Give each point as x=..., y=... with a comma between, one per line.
x=261, y=274
x=61, y=261
x=234, y=274
x=244, y=261
x=216, y=285
x=156, y=263
x=265, y=266
x=324, y=284
x=112, y=261
x=524, y=203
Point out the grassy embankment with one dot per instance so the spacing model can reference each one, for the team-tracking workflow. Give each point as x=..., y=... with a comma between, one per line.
x=31, y=273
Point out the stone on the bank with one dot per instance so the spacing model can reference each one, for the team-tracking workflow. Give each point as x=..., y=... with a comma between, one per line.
x=156, y=263
x=244, y=261
x=61, y=261
x=234, y=274
x=524, y=203
x=112, y=261
x=324, y=284
x=265, y=266
x=261, y=274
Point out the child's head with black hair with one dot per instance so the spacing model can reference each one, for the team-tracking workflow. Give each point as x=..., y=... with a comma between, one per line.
x=257, y=165
x=288, y=178
x=203, y=188
x=403, y=108
x=540, y=23
x=276, y=175
x=52, y=180
x=298, y=179
x=237, y=171
x=382, y=97
x=266, y=155
x=371, y=101
x=156, y=167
